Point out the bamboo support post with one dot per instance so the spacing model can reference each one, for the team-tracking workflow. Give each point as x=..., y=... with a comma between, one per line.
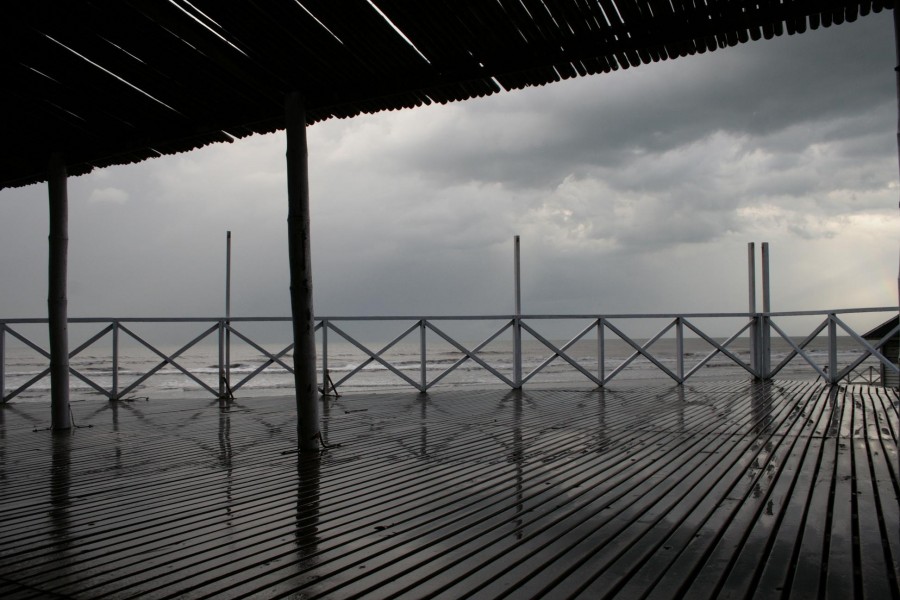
x=57, y=302
x=306, y=388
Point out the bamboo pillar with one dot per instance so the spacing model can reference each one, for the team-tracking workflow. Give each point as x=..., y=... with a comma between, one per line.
x=57, y=302
x=306, y=390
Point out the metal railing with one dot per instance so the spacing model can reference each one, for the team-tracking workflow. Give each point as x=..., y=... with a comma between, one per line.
x=757, y=328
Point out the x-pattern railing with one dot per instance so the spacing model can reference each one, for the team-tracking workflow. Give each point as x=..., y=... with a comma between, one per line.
x=759, y=326
x=831, y=372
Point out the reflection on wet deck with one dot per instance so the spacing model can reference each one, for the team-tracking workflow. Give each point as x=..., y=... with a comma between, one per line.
x=702, y=491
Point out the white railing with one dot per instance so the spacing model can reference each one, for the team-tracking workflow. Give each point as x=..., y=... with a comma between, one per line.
x=757, y=328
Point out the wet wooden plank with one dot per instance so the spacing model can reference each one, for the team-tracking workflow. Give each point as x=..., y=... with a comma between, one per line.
x=777, y=569
x=720, y=489
x=883, y=465
x=841, y=583
x=752, y=528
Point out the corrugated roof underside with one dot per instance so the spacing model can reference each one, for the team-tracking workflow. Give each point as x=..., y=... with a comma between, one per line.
x=110, y=82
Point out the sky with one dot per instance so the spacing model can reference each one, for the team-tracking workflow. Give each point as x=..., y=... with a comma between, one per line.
x=635, y=191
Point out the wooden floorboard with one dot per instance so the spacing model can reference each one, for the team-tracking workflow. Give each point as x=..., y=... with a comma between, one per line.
x=709, y=490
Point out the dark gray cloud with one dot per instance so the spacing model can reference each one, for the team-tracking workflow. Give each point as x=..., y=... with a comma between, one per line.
x=535, y=138
x=634, y=191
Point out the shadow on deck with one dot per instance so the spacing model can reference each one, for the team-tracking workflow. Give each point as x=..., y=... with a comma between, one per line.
x=710, y=490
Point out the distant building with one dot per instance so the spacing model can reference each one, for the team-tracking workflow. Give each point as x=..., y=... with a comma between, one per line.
x=890, y=349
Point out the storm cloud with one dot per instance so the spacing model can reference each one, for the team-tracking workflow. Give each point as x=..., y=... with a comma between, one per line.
x=632, y=191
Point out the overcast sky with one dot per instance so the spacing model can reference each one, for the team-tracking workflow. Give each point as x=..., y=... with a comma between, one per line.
x=635, y=191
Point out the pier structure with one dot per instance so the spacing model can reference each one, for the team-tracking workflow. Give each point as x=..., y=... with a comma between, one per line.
x=716, y=337
x=826, y=348
x=743, y=489
x=781, y=489
x=101, y=84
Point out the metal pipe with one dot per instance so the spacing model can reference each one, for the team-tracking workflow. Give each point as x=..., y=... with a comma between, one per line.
x=766, y=333
x=57, y=302
x=221, y=328
x=2, y=361
x=517, y=321
x=325, y=380
x=601, y=352
x=228, y=309
x=679, y=348
x=751, y=268
x=115, y=361
x=767, y=306
x=422, y=354
x=751, y=309
x=832, y=351
x=300, y=259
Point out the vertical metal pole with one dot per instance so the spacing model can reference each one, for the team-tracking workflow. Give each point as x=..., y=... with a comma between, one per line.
x=767, y=308
x=228, y=309
x=57, y=301
x=754, y=327
x=325, y=358
x=115, y=361
x=679, y=348
x=306, y=388
x=423, y=372
x=2, y=361
x=517, y=324
x=601, y=351
x=832, y=350
x=221, y=358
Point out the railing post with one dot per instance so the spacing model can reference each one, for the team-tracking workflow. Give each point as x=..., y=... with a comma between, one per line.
x=2, y=362
x=114, y=392
x=601, y=351
x=228, y=310
x=325, y=389
x=679, y=348
x=221, y=358
x=423, y=373
x=832, y=350
x=766, y=332
x=754, y=326
x=517, y=320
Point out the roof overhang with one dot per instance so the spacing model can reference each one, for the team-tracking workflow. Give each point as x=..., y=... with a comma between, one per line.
x=108, y=82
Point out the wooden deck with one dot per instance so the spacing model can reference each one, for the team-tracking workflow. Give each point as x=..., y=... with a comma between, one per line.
x=711, y=490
